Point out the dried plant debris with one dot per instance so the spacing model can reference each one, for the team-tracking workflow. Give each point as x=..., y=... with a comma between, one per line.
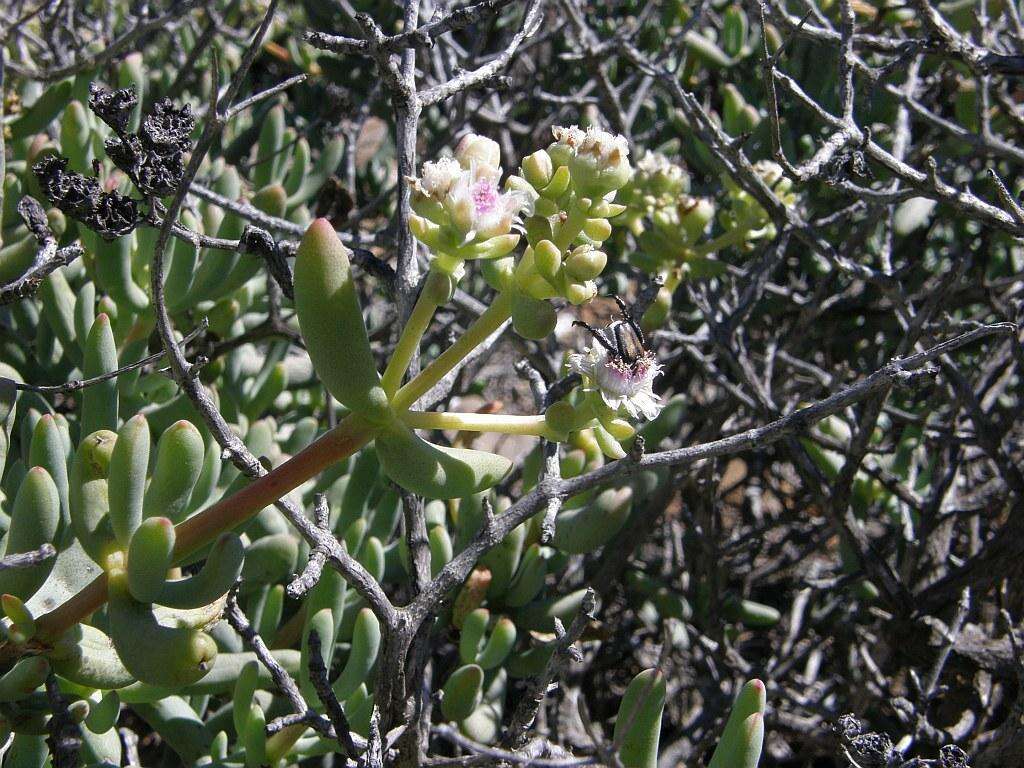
x=871, y=749
x=153, y=158
x=109, y=214
x=113, y=107
x=167, y=128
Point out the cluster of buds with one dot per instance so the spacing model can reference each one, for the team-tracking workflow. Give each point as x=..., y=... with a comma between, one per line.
x=461, y=212
x=572, y=185
x=657, y=184
x=745, y=214
x=666, y=220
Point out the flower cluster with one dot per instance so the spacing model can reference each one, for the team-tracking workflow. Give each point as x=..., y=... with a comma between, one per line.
x=573, y=184
x=462, y=213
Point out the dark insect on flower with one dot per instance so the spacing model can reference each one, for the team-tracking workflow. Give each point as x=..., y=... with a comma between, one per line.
x=625, y=341
x=622, y=369
x=113, y=107
x=168, y=128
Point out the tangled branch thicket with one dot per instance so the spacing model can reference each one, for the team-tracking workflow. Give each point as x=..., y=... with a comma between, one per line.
x=529, y=382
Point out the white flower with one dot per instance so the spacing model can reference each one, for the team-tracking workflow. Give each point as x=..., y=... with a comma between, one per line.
x=478, y=209
x=438, y=177
x=621, y=384
x=597, y=159
x=608, y=150
x=571, y=136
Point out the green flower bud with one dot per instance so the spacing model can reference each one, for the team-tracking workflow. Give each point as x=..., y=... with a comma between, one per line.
x=474, y=149
x=581, y=293
x=548, y=259
x=585, y=263
x=598, y=229
x=561, y=417
x=538, y=169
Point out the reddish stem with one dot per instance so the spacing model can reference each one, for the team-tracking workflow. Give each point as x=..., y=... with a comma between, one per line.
x=342, y=441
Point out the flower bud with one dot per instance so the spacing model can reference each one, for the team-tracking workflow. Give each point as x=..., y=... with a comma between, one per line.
x=478, y=150
x=601, y=164
x=548, y=259
x=581, y=293
x=695, y=213
x=538, y=169
x=561, y=417
x=438, y=287
x=598, y=230
x=618, y=428
x=585, y=263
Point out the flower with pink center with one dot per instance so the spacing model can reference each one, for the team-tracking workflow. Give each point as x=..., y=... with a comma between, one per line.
x=478, y=209
x=622, y=385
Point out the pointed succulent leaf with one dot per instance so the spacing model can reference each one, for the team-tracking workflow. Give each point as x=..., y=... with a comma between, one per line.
x=436, y=472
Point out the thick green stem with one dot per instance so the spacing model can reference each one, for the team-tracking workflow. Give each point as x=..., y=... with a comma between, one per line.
x=479, y=422
x=408, y=342
x=496, y=314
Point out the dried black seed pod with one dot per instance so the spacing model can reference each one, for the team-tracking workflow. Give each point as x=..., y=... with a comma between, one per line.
x=873, y=750
x=951, y=756
x=160, y=174
x=109, y=214
x=113, y=107
x=75, y=194
x=126, y=151
x=847, y=727
x=168, y=128
x=116, y=215
x=154, y=173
